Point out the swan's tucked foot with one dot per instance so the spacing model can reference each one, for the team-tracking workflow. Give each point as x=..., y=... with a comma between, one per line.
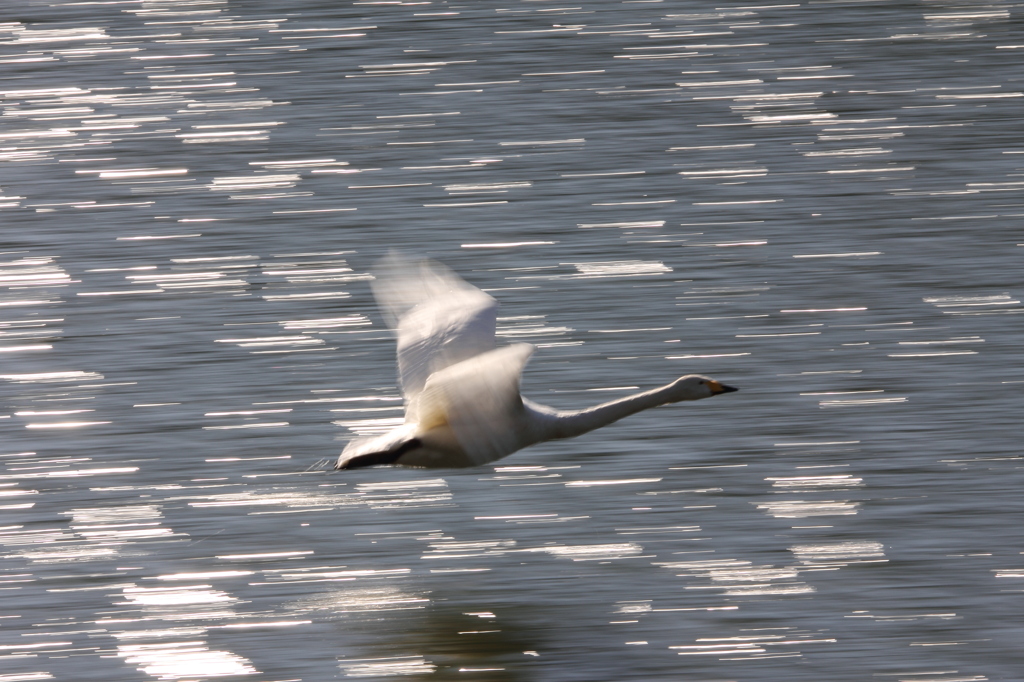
x=371, y=459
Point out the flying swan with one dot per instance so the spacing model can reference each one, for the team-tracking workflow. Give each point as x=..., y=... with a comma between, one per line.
x=462, y=402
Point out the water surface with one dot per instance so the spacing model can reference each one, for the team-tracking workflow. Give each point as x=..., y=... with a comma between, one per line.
x=818, y=202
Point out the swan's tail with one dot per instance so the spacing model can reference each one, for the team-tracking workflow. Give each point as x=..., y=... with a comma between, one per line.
x=384, y=449
x=369, y=459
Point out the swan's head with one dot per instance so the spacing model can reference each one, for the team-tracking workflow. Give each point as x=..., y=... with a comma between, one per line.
x=695, y=387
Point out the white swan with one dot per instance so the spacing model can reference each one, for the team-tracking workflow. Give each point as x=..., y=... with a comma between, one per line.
x=462, y=402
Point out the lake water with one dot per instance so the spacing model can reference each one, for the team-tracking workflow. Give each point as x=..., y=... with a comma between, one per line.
x=817, y=202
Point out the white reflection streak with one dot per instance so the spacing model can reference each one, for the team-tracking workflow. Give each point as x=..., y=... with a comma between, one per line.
x=115, y=514
x=47, y=377
x=405, y=494
x=633, y=225
x=118, y=533
x=717, y=649
x=839, y=553
x=260, y=425
x=816, y=482
x=310, y=575
x=75, y=472
x=864, y=401
x=176, y=596
x=969, y=301
x=741, y=578
x=62, y=425
x=137, y=173
x=594, y=552
x=461, y=550
x=623, y=481
x=624, y=268
x=504, y=245
x=387, y=667
x=292, y=500
x=327, y=322
x=271, y=555
x=798, y=509
x=519, y=328
x=371, y=427
x=752, y=646
x=249, y=182
x=119, y=525
x=177, y=660
x=26, y=35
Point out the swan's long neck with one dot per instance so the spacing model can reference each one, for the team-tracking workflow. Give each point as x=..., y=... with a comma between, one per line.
x=571, y=424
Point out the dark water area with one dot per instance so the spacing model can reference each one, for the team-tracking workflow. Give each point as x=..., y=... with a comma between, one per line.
x=818, y=202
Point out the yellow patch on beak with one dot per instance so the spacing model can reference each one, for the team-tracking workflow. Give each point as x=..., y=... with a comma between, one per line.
x=715, y=387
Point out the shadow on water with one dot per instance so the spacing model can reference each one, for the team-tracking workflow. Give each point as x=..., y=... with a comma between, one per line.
x=436, y=639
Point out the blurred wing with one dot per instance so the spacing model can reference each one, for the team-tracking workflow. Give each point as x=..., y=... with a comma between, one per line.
x=440, y=319
x=479, y=399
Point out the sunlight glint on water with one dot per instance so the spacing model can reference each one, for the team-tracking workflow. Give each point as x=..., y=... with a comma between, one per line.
x=817, y=204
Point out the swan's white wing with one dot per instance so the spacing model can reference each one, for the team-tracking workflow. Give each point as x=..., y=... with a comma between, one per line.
x=440, y=319
x=479, y=399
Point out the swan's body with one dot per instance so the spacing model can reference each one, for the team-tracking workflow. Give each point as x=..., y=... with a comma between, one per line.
x=462, y=402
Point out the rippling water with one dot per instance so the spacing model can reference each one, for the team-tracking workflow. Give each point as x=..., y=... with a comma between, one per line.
x=818, y=202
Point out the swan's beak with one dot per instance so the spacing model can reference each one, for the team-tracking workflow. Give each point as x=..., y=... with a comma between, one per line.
x=717, y=388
